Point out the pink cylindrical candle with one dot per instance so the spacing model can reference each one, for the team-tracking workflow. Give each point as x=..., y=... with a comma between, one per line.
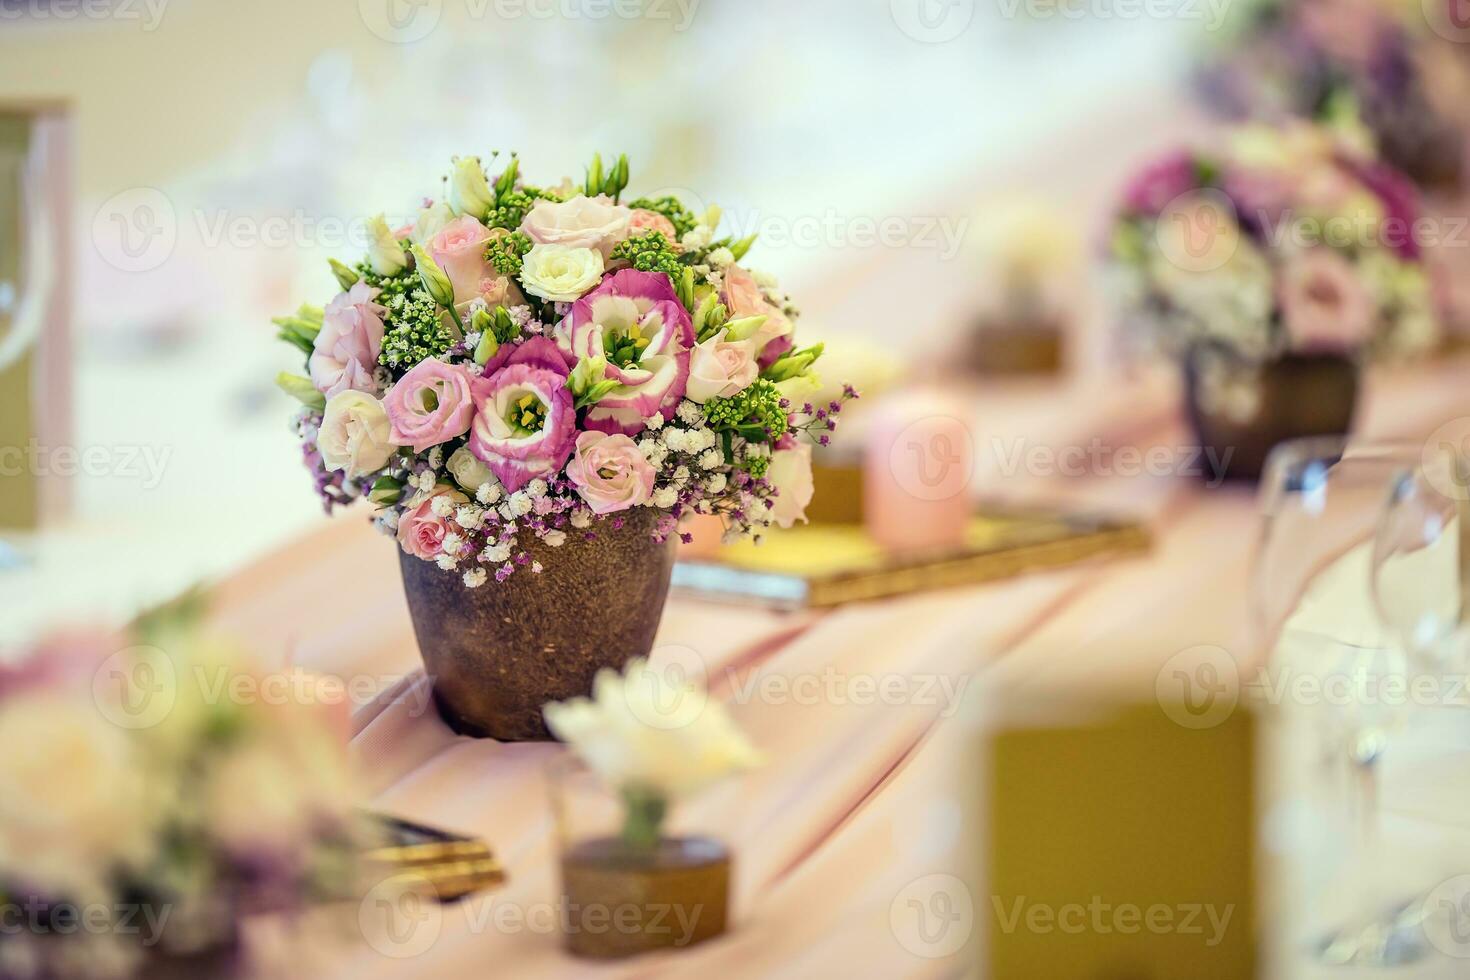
x=918, y=466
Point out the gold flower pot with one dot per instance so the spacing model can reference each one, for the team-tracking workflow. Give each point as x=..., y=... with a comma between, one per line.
x=497, y=653
x=620, y=903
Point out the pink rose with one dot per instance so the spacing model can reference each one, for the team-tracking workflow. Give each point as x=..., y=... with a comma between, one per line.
x=743, y=297
x=610, y=472
x=459, y=248
x=645, y=221
x=421, y=531
x=429, y=405
x=582, y=222
x=349, y=342
x=1327, y=308
x=721, y=368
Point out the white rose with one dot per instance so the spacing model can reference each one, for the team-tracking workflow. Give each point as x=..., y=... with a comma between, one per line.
x=73, y=800
x=561, y=273
x=642, y=729
x=721, y=368
x=582, y=222
x=355, y=434
x=791, y=475
x=467, y=470
x=385, y=254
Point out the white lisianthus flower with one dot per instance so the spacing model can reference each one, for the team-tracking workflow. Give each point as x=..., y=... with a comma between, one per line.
x=430, y=221
x=385, y=254
x=355, y=435
x=560, y=273
x=642, y=731
x=469, y=191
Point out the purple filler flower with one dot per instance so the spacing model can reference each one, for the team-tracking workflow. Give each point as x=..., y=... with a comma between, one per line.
x=525, y=423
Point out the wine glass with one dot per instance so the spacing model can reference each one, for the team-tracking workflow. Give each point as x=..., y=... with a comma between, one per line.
x=1332, y=661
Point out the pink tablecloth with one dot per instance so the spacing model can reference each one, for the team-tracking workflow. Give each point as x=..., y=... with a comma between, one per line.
x=858, y=806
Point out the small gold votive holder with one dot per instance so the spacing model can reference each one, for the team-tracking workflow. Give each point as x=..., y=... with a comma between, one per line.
x=620, y=900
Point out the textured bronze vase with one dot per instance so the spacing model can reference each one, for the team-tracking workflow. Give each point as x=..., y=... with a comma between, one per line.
x=1294, y=397
x=498, y=653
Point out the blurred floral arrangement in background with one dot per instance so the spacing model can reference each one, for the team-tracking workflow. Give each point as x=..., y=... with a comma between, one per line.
x=145, y=806
x=521, y=359
x=1391, y=66
x=1285, y=240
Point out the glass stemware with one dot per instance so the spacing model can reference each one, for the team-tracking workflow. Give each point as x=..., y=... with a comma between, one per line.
x=1333, y=663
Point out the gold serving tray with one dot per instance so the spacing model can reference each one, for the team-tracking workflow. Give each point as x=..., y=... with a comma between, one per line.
x=819, y=566
x=449, y=866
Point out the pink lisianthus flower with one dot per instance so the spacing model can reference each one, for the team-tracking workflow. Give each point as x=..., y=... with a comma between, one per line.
x=610, y=472
x=791, y=474
x=421, y=531
x=743, y=297
x=645, y=221
x=582, y=222
x=348, y=344
x=637, y=323
x=430, y=405
x=539, y=352
x=721, y=368
x=459, y=249
x=1326, y=306
x=524, y=422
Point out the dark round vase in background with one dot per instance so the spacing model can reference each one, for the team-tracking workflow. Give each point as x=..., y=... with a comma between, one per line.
x=497, y=653
x=1299, y=395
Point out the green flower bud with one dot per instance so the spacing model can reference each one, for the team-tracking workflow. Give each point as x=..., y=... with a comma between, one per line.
x=745, y=327
x=469, y=191
x=311, y=314
x=794, y=365
x=741, y=247
x=684, y=287
x=617, y=181
x=346, y=277
x=712, y=216
x=302, y=390
x=594, y=176
x=488, y=345
x=596, y=393
x=436, y=283
x=385, y=253
x=507, y=181
x=588, y=372
x=385, y=491
x=702, y=314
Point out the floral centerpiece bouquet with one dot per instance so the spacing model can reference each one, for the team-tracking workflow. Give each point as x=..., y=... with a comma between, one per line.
x=146, y=807
x=651, y=741
x=525, y=366
x=1281, y=257
x=1395, y=66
